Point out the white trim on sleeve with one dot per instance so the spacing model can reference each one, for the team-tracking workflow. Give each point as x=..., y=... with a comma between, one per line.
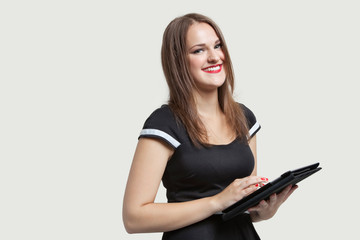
x=159, y=133
x=254, y=128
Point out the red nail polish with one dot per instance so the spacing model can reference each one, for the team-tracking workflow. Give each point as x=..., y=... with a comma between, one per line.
x=256, y=185
x=263, y=179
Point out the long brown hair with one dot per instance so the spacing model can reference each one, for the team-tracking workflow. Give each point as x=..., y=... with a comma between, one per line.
x=181, y=84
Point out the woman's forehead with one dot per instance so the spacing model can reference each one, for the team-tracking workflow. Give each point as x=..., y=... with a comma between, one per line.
x=201, y=33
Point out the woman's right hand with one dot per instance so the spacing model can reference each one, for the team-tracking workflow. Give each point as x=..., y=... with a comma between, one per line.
x=237, y=190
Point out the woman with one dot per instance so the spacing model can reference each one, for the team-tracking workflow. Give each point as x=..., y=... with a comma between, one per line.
x=202, y=145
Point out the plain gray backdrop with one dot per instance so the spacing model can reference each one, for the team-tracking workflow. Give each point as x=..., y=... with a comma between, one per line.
x=79, y=78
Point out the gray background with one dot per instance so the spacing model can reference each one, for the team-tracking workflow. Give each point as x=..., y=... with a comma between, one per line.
x=79, y=78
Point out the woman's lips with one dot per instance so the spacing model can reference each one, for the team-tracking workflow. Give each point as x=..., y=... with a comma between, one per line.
x=213, y=69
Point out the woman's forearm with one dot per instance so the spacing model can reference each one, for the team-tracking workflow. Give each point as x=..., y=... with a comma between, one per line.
x=163, y=217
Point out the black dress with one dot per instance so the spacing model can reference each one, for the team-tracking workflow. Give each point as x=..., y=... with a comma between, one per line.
x=194, y=173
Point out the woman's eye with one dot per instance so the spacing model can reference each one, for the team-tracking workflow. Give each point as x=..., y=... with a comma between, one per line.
x=218, y=46
x=198, y=51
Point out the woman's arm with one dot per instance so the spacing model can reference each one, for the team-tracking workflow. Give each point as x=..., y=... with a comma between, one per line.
x=252, y=145
x=141, y=214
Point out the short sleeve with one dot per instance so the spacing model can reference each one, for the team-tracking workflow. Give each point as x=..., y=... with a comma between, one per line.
x=161, y=124
x=253, y=124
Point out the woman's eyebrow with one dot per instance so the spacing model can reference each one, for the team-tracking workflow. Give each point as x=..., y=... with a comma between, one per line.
x=197, y=45
x=203, y=44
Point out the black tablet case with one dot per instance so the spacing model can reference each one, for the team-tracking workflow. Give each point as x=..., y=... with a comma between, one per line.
x=290, y=177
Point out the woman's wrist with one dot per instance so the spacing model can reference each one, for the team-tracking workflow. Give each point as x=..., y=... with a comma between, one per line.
x=215, y=205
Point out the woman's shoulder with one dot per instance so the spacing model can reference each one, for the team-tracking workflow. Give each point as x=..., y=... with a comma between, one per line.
x=252, y=122
x=162, y=124
x=250, y=116
x=161, y=115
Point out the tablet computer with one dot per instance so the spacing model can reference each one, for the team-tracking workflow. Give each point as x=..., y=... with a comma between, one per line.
x=275, y=186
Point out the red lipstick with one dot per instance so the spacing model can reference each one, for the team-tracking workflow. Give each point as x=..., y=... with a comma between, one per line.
x=213, y=69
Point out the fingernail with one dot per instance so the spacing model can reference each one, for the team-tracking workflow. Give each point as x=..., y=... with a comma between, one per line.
x=264, y=179
x=256, y=185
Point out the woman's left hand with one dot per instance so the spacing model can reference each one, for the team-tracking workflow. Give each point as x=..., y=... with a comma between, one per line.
x=267, y=209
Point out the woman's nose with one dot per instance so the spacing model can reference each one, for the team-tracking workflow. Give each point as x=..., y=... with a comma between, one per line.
x=213, y=56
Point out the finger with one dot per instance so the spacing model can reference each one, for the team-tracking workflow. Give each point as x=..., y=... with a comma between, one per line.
x=249, y=190
x=290, y=192
x=252, y=180
x=273, y=199
x=254, y=209
x=249, y=187
x=284, y=192
x=261, y=205
x=292, y=189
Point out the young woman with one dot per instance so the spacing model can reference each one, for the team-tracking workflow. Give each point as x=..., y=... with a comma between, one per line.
x=202, y=145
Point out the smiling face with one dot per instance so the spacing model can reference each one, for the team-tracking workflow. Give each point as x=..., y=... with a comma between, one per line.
x=205, y=57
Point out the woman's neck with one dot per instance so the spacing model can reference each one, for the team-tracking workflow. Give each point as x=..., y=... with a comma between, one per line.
x=207, y=104
x=214, y=120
